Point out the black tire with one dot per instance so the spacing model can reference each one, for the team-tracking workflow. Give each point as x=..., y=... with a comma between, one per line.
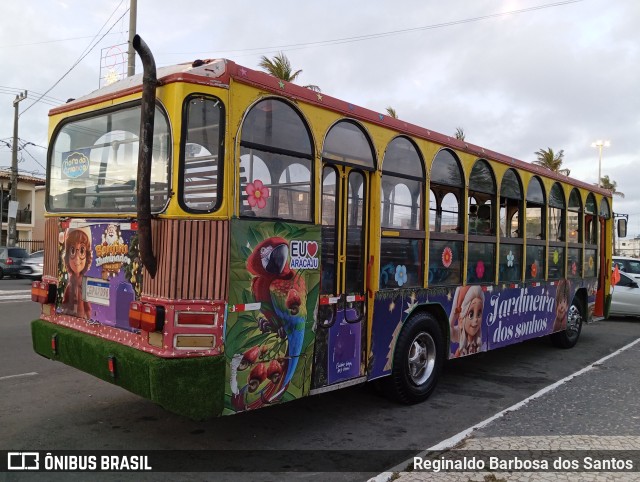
x=417, y=360
x=576, y=315
x=1, y=273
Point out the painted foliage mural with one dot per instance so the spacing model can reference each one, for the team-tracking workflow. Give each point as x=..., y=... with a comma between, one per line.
x=480, y=317
x=273, y=302
x=99, y=272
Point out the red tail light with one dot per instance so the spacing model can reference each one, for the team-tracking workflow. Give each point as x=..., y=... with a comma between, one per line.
x=9, y=261
x=146, y=316
x=43, y=292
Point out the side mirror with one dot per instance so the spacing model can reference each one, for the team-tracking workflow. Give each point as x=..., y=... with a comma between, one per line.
x=622, y=228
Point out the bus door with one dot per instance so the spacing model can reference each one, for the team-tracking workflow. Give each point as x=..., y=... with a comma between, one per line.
x=341, y=329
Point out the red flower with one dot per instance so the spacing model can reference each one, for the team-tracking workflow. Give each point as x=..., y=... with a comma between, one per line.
x=534, y=269
x=258, y=194
x=480, y=269
x=447, y=257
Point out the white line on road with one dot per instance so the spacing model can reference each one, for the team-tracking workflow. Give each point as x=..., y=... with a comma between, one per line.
x=30, y=374
x=14, y=297
x=456, y=439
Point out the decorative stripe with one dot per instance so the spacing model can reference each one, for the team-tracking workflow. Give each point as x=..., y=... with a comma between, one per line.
x=245, y=307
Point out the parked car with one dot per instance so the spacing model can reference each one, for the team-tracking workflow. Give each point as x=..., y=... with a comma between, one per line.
x=630, y=266
x=625, y=299
x=32, y=266
x=11, y=260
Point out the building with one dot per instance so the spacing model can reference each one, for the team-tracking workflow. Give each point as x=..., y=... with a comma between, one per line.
x=30, y=218
x=628, y=247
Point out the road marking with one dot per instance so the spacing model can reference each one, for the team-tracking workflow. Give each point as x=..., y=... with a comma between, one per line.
x=14, y=295
x=30, y=374
x=459, y=437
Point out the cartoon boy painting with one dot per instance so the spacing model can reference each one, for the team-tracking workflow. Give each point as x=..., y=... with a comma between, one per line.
x=466, y=320
x=77, y=260
x=562, y=305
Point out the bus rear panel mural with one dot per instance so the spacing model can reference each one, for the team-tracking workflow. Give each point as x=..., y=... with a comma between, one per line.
x=99, y=273
x=273, y=301
x=481, y=318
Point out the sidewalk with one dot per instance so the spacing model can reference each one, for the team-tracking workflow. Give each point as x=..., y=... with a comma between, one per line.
x=596, y=409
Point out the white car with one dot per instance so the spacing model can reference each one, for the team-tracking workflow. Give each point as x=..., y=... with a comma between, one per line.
x=625, y=299
x=629, y=266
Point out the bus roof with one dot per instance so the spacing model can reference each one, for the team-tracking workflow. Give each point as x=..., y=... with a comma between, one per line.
x=219, y=72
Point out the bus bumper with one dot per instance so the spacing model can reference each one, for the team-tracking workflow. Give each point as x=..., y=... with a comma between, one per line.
x=193, y=387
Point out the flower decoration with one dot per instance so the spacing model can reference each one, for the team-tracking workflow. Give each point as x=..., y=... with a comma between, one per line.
x=574, y=268
x=556, y=257
x=590, y=262
x=534, y=269
x=480, y=269
x=447, y=257
x=401, y=274
x=258, y=194
x=510, y=258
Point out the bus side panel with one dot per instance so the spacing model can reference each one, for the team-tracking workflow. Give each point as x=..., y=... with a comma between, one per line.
x=273, y=301
x=480, y=318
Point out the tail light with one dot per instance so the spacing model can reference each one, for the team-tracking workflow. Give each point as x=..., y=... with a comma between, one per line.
x=146, y=316
x=9, y=261
x=43, y=292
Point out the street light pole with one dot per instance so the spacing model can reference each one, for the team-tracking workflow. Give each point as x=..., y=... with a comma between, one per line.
x=14, y=168
x=600, y=144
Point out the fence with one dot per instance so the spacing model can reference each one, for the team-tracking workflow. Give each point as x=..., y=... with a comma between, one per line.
x=30, y=245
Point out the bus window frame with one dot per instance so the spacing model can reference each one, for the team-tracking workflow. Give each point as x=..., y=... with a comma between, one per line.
x=182, y=159
x=96, y=113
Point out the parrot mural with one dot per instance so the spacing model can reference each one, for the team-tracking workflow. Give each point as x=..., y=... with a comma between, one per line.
x=282, y=294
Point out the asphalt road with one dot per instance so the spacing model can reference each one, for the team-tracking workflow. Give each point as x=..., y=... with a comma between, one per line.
x=50, y=406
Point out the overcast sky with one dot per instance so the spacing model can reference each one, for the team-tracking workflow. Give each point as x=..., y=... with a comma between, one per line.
x=557, y=74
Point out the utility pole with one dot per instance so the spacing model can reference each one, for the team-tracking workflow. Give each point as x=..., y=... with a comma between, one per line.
x=133, y=13
x=14, y=171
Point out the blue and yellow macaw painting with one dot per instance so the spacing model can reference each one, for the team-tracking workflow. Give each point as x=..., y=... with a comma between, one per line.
x=273, y=302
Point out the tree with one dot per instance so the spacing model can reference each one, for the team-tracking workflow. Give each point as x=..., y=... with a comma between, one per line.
x=551, y=160
x=280, y=67
x=610, y=185
x=459, y=133
x=392, y=112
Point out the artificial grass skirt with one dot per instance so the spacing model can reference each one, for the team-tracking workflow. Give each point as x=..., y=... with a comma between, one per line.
x=193, y=387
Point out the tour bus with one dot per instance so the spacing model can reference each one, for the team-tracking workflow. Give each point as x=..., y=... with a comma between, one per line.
x=219, y=240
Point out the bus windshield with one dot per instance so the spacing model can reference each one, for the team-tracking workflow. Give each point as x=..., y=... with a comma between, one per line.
x=93, y=164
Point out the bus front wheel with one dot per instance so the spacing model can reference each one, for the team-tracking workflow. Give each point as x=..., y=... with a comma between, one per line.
x=417, y=360
x=569, y=336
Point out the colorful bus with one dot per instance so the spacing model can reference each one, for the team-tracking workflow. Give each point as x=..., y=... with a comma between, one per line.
x=219, y=240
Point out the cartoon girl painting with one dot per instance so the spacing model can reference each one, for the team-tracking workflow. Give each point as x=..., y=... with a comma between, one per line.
x=562, y=305
x=466, y=320
x=77, y=260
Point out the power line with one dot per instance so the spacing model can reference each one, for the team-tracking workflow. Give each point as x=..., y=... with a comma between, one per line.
x=16, y=90
x=49, y=41
x=82, y=56
x=359, y=38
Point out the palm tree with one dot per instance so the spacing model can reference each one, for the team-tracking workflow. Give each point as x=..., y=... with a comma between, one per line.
x=392, y=112
x=610, y=185
x=551, y=160
x=459, y=133
x=280, y=67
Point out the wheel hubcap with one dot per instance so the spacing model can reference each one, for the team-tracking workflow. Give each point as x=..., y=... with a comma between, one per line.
x=422, y=358
x=574, y=320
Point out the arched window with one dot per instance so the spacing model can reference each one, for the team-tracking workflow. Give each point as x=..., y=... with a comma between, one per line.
x=482, y=224
x=401, y=211
x=346, y=143
x=574, y=234
x=591, y=236
x=276, y=158
x=511, y=228
x=445, y=219
x=535, y=230
x=557, y=232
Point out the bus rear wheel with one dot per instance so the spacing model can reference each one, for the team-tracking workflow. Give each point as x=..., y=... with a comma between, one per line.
x=575, y=316
x=417, y=360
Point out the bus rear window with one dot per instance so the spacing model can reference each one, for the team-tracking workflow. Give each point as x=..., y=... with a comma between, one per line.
x=94, y=161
